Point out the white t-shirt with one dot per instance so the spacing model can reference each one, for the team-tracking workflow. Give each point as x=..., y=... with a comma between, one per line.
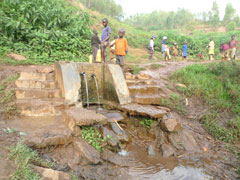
x=151, y=44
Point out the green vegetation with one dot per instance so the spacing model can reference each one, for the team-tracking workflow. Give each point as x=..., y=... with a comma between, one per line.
x=7, y=95
x=93, y=137
x=156, y=66
x=218, y=85
x=44, y=30
x=108, y=7
x=146, y=122
x=24, y=157
x=137, y=69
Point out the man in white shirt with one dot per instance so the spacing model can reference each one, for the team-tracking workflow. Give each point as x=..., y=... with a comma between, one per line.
x=151, y=47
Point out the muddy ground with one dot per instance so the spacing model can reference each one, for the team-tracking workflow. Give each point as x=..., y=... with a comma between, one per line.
x=213, y=155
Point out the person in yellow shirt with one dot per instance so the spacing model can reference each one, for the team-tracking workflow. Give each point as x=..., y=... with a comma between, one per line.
x=211, y=49
x=121, y=48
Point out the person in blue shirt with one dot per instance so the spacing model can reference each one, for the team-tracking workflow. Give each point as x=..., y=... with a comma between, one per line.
x=184, y=53
x=105, y=40
x=164, y=44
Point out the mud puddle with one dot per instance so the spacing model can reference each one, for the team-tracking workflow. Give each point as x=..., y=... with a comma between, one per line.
x=145, y=167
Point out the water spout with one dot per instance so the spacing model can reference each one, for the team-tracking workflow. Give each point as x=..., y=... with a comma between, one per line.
x=95, y=78
x=86, y=84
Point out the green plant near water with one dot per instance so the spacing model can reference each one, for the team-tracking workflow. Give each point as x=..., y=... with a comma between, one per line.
x=146, y=122
x=44, y=30
x=218, y=85
x=24, y=157
x=93, y=137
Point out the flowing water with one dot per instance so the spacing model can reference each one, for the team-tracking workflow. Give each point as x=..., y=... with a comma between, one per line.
x=99, y=103
x=86, y=84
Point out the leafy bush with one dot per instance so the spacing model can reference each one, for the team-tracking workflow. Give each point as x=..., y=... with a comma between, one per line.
x=231, y=26
x=44, y=30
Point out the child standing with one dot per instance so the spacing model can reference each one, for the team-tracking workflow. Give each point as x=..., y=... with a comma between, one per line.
x=121, y=46
x=211, y=49
x=175, y=50
x=112, y=48
x=151, y=47
x=167, y=56
x=184, y=53
x=233, y=47
x=105, y=40
x=95, y=41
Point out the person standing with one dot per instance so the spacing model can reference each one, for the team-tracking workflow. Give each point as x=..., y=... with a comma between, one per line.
x=175, y=50
x=112, y=48
x=106, y=33
x=151, y=47
x=211, y=46
x=164, y=44
x=233, y=47
x=121, y=46
x=184, y=53
x=95, y=41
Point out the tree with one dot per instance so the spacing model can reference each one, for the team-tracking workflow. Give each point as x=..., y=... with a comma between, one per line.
x=231, y=26
x=229, y=14
x=214, y=14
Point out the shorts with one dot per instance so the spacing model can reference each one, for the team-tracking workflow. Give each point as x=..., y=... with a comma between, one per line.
x=120, y=60
x=104, y=48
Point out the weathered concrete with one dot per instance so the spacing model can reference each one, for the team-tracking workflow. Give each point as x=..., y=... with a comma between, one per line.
x=69, y=80
x=20, y=83
x=143, y=90
x=32, y=75
x=39, y=107
x=148, y=99
x=22, y=93
x=111, y=82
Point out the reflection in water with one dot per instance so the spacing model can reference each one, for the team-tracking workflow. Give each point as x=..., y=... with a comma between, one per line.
x=144, y=167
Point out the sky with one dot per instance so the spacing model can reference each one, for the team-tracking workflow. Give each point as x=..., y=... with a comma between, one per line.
x=131, y=7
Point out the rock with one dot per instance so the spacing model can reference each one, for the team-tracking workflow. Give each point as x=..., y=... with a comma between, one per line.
x=170, y=125
x=16, y=57
x=114, y=116
x=163, y=108
x=148, y=99
x=87, y=152
x=181, y=85
x=151, y=150
x=46, y=70
x=49, y=174
x=142, y=76
x=45, y=138
x=167, y=150
x=183, y=140
x=114, y=158
x=143, y=110
x=128, y=75
x=77, y=116
x=143, y=90
x=111, y=137
x=121, y=134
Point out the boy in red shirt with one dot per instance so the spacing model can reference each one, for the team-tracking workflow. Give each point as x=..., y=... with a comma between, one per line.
x=121, y=48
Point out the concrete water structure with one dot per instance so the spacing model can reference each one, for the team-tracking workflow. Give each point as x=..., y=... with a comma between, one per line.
x=110, y=78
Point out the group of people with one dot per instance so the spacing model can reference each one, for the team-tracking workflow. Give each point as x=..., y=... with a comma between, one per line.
x=118, y=47
x=228, y=50
x=166, y=50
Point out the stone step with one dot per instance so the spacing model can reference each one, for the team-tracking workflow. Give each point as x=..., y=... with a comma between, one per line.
x=36, y=84
x=40, y=107
x=31, y=75
x=143, y=110
x=148, y=99
x=143, y=89
x=24, y=93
